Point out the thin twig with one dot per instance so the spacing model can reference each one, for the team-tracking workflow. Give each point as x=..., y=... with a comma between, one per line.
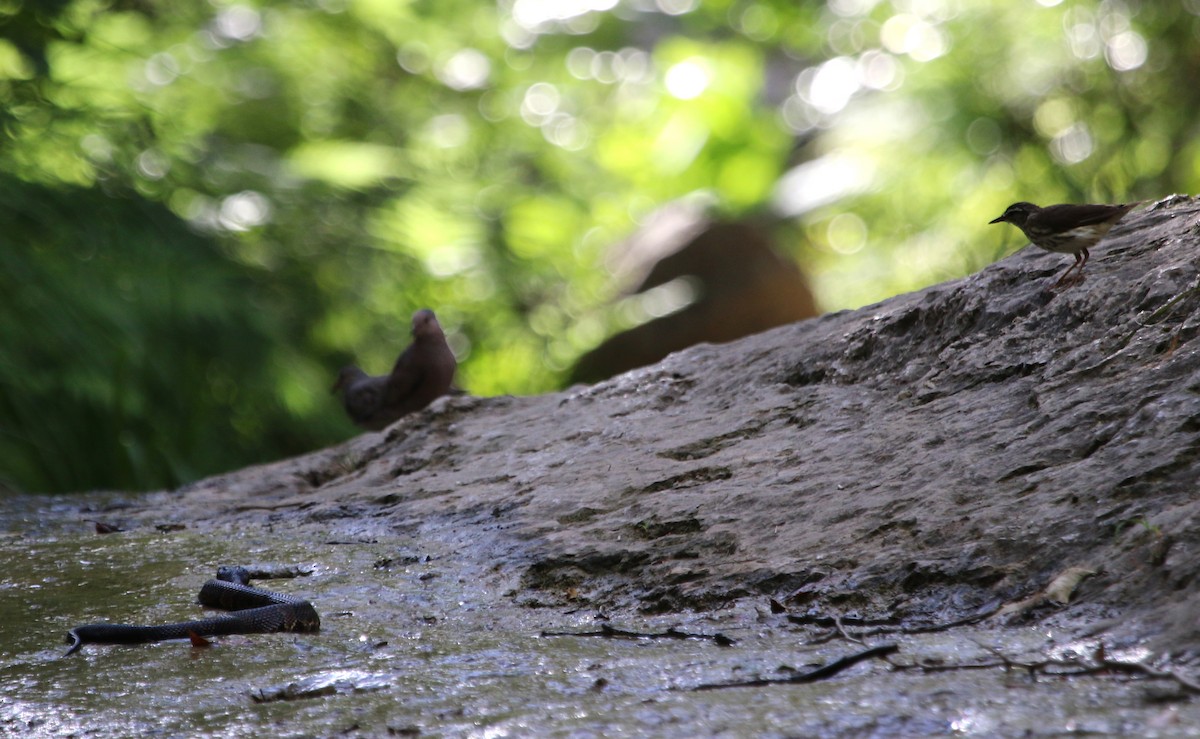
x=609, y=632
x=1101, y=664
x=820, y=673
x=837, y=622
x=884, y=625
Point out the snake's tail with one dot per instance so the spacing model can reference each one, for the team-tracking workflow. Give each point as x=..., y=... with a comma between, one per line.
x=75, y=642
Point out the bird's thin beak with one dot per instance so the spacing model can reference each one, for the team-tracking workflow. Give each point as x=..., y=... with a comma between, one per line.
x=336, y=385
x=998, y=220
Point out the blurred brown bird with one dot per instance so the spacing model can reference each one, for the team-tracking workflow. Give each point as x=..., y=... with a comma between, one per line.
x=422, y=374
x=362, y=396
x=1066, y=229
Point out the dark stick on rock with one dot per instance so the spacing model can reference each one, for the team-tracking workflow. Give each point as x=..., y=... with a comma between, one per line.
x=812, y=676
x=610, y=632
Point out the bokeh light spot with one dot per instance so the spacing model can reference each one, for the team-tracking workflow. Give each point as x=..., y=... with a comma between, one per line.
x=687, y=79
x=1126, y=51
x=847, y=233
x=244, y=211
x=467, y=69
x=834, y=83
x=1072, y=145
x=238, y=23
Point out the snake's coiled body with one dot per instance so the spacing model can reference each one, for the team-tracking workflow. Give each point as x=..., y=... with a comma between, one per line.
x=254, y=611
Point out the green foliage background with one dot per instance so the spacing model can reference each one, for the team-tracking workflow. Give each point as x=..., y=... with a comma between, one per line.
x=208, y=207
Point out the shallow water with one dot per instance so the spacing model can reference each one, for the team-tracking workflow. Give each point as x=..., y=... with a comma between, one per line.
x=414, y=639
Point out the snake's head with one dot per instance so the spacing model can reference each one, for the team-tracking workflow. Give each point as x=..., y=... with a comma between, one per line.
x=234, y=573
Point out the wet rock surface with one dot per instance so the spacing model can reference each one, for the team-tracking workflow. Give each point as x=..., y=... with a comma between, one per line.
x=932, y=455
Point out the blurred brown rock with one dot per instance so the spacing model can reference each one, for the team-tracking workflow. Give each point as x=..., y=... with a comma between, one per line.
x=741, y=286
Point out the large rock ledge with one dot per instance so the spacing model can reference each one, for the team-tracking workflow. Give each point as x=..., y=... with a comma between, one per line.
x=937, y=453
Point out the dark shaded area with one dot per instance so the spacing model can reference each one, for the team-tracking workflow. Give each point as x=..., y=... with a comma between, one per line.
x=136, y=353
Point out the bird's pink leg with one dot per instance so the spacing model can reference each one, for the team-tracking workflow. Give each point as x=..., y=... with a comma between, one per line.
x=1080, y=260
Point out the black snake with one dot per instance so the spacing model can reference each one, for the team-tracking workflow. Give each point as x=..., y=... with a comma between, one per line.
x=253, y=611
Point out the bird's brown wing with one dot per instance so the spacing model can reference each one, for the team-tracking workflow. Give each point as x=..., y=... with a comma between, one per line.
x=1070, y=215
x=405, y=378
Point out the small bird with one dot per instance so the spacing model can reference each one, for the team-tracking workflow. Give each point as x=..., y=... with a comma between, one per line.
x=1066, y=229
x=422, y=373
